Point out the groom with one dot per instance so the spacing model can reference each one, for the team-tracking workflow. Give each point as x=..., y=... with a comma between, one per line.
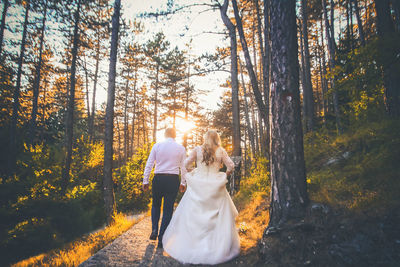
x=169, y=157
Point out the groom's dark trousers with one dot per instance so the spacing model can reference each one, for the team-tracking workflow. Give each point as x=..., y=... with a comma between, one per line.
x=164, y=186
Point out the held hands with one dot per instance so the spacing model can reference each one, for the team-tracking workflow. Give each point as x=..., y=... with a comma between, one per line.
x=145, y=187
x=182, y=188
x=228, y=173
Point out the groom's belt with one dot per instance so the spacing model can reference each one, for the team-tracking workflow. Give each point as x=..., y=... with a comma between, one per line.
x=166, y=174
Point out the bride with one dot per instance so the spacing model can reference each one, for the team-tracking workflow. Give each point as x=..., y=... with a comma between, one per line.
x=202, y=229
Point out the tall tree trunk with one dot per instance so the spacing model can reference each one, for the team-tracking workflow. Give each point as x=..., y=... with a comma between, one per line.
x=246, y=113
x=253, y=78
x=108, y=189
x=86, y=70
x=155, y=105
x=359, y=23
x=288, y=179
x=36, y=83
x=3, y=24
x=134, y=113
x=261, y=45
x=391, y=77
x=126, y=130
x=96, y=74
x=16, y=104
x=323, y=73
x=267, y=67
x=308, y=99
x=330, y=36
x=119, y=142
x=69, y=127
x=396, y=9
x=187, y=95
x=254, y=123
x=234, y=79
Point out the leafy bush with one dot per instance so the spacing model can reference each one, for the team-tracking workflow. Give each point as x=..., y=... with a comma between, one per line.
x=128, y=178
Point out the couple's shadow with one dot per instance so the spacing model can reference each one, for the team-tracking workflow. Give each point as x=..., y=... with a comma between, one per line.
x=157, y=257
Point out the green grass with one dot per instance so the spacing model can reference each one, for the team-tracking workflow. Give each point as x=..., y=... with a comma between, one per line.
x=81, y=249
x=368, y=179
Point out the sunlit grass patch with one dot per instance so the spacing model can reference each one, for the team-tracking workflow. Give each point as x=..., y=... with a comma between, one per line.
x=252, y=220
x=80, y=250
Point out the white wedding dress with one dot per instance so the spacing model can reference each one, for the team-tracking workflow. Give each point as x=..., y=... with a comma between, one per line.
x=202, y=229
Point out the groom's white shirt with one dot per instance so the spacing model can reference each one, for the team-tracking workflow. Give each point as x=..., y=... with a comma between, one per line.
x=169, y=157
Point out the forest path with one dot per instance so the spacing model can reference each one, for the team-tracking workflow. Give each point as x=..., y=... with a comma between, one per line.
x=133, y=248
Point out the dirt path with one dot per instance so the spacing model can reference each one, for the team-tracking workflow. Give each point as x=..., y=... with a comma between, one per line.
x=133, y=248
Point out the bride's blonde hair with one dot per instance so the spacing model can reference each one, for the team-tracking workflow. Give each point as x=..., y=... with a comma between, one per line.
x=210, y=145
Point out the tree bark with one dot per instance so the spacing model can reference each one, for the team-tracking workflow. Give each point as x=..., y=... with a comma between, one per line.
x=237, y=151
x=253, y=78
x=155, y=105
x=36, y=83
x=126, y=130
x=96, y=74
x=69, y=127
x=187, y=95
x=246, y=112
x=359, y=23
x=267, y=66
x=3, y=23
x=396, y=9
x=134, y=113
x=16, y=104
x=108, y=189
x=308, y=99
x=288, y=181
x=391, y=77
x=85, y=68
x=330, y=36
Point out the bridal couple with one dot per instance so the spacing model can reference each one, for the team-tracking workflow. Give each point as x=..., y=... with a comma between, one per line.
x=202, y=230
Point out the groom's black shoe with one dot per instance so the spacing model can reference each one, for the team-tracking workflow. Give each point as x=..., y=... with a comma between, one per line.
x=153, y=235
x=159, y=244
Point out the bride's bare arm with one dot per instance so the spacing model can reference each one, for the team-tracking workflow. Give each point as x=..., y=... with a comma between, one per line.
x=189, y=160
x=228, y=162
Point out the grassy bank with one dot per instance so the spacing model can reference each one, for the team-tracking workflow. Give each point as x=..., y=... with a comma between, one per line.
x=80, y=250
x=357, y=171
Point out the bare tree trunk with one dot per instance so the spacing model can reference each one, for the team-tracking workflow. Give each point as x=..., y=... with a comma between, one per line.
x=253, y=78
x=308, y=99
x=359, y=23
x=323, y=73
x=396, y=9
x=108, y=189
x=96, y=74
x=133, y=114
x=267, y=67
x=155, y=105
x=391, y=77
x=234, y=79
x=331, y=45
x=288, y=180
x=16, y=104
x=85, y=68
x=187, y=95
x=119, y=142
x=246, y=112
x=69, y=127
x=3, y=23
x=126, y=130
x=36, y=83
x=254, y=123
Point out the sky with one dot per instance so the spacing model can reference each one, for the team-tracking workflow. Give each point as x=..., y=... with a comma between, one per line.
x=180, y=29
